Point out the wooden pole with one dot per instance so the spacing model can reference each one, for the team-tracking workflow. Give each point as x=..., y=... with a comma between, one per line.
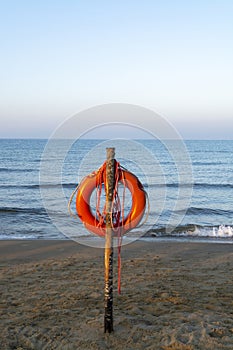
x=110, y=184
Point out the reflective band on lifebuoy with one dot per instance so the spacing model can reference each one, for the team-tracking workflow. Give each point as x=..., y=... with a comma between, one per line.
x=89, y=184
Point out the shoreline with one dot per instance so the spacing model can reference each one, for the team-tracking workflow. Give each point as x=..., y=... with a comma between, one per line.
x=30, y=250
x=175, y=295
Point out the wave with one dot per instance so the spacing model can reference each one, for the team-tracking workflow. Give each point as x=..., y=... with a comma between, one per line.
x=33, y=211
x=190, y=185
x=158, y=185
x=64, y=185
x=174, y=185
x=15, y=170
x=17, y=236
x=213, y=185
x=16, y=210
x=209, y=163
x=204, y=211
x=37, y=186
x=193, y=231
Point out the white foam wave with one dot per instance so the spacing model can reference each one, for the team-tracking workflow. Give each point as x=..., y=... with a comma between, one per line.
x=222, y=231
x=15, y=236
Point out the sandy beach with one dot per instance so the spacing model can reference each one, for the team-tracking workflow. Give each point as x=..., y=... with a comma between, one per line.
x=174, y=296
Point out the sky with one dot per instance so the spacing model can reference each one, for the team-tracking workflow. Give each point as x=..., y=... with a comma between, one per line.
x=60, y=57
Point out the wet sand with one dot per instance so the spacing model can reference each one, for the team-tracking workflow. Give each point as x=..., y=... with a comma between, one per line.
x=174, y=296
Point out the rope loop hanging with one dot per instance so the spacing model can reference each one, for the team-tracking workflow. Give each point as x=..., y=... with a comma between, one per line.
x=95, y=219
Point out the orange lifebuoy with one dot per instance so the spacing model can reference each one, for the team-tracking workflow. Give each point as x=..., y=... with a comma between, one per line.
x=89, y=184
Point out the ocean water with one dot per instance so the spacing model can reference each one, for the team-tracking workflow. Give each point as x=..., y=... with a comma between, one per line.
x=191, y=194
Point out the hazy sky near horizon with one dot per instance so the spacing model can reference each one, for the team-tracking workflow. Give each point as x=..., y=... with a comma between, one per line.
x=59, y=57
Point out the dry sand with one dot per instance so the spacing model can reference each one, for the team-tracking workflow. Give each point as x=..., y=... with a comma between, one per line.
x=174, y=296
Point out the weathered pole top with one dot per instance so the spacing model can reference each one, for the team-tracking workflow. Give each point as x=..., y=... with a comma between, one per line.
x=110, y=153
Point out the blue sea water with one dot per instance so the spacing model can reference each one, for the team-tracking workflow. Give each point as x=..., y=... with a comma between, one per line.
x=197, y=205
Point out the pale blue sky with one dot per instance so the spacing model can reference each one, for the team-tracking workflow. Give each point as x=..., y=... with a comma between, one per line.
x=59, y=57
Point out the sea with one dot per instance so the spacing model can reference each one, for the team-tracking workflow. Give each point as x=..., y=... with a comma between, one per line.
x=189, y=185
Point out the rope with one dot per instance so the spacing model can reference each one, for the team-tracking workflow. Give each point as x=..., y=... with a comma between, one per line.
x=117, y=208
x=100, y=216
x=116, y=214
x=70, y=202
x=119, y=237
